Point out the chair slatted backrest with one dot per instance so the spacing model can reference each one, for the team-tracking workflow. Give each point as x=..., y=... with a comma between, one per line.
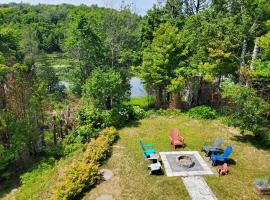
x=217, y=142
x=174, y=133
x=227, y=151
x=142, y=146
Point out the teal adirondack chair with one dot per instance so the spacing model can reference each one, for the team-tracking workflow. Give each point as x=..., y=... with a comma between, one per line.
x=148, y=149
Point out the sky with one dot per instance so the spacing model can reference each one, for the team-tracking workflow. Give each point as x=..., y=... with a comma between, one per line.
x=139, y=6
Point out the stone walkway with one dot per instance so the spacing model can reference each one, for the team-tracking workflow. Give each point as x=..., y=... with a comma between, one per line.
x=198, y=188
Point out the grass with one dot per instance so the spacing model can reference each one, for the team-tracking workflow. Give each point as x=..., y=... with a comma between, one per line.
x=144, y=102
x=132, y=181
x=39, y=181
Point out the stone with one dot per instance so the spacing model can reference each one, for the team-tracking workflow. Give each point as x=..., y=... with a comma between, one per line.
x=106, y=174
x=105, y=197
x=198, y=189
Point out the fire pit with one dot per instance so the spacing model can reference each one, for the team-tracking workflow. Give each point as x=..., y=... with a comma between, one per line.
x=185, y=161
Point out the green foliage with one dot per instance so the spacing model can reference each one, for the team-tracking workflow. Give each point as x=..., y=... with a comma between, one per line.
x=202, y=112
x=97, y=150
x=110, y=133
x=105, y=88
x=30, y=177
x=84, y=172
x=248, y=111
x=77, y=177
x=160, y=59
x=118, y=116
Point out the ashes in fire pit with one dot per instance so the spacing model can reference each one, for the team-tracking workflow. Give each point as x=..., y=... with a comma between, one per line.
x=185, y=161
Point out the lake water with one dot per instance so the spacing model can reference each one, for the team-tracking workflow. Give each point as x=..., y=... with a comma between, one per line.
x=137, y=89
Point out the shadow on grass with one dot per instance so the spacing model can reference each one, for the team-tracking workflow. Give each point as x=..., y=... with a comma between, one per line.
x=259, y=143
x=132, y=124
x=8, y=185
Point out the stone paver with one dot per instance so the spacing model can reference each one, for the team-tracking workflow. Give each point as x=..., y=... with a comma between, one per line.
x=198, y=189
x=106, y=174
x=105, y=197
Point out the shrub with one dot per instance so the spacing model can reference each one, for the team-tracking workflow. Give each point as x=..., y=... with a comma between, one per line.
x=76, y=177
x=83, y=133
x=246, y=109
x=106, y=88
x=138, y=113
x=110, y=133
x=91, y=115
x=97, y=150
x=202, y=112
x=83, y=173
x=121, y=115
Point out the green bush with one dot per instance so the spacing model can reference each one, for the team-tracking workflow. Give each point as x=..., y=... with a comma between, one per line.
x=110, y=133
x=246, y=110
x=138, y=113
x=84, y=172
x=97, y=150
x=117, y=116
x=76, y=177
x=202, y=112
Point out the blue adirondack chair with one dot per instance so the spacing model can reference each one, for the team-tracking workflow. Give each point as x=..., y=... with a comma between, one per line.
x=215, y=147
x=221, y=158
x=148, y=149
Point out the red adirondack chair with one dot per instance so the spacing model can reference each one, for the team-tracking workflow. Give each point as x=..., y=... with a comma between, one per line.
x=223, y=169
x=175, y=140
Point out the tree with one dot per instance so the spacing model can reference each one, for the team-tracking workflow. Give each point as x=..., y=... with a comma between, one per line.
x=105, y=88
x=85, y=50
x=160, y=61
x=247, y=110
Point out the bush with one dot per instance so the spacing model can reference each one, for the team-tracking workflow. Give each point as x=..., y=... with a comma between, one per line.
x=97, y=150
x=77, y=177
x=138, y=113
x=246, y=109
x=84, y=173
x=106, y=88
x=202, y=112
x=91, y=116
x=110, y=133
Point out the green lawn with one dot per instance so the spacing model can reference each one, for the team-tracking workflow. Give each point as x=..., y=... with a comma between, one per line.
x=132, y=181
x=143, y=102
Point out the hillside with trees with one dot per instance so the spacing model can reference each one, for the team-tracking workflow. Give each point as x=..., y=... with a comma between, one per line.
x=212, y=55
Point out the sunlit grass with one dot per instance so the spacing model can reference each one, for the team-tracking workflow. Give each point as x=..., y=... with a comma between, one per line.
x=132, y=175
x=143, y=102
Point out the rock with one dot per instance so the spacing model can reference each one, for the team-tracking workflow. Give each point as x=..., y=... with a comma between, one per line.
x=152, y=116
x=14, y=190
x=105, y=197
x=106, y=173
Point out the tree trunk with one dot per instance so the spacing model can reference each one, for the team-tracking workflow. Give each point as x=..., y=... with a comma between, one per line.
x=2, y=95
x=174, y=100
x=255, y=53
x=198, y=6
x=158, y=99
x=54, y=130
x=242, y=61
